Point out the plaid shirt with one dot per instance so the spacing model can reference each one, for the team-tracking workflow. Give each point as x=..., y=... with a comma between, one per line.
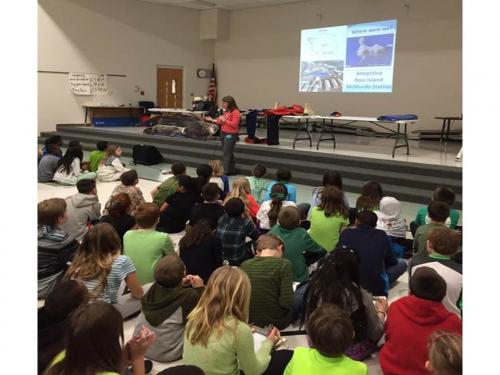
x=233, y=231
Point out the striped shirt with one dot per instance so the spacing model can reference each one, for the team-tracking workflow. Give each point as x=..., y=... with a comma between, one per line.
x=272, y=293
x=120, y=269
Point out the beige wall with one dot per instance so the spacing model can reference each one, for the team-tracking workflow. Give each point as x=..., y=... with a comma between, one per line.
x=259, y=64
x=114, y=36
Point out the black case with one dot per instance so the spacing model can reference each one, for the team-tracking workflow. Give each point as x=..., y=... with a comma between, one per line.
x=146, y=155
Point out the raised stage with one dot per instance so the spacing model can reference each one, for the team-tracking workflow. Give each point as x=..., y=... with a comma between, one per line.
x=358, y=159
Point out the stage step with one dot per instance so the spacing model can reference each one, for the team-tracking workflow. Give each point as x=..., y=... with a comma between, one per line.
x=411, y=182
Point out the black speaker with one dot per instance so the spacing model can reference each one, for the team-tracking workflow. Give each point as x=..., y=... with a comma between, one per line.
x=146, y=155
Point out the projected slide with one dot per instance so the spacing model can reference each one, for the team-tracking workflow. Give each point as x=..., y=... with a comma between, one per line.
x=349, y=58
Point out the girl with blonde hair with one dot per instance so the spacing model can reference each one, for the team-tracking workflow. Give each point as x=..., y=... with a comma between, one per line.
x=102, y=268
x=218, y=338
x=242, y=190
x=445, y=353
x=218, y=176
x=111, y=167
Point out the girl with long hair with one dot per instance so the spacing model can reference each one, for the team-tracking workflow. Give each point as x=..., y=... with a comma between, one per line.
x=218, y=338
x=229, y=123
x=93, y=344
x=70, y=167
x=117, y=213
x=337, y=281
x=102, y=268
x=329, y=218
x=267, y=216
x=111, y=167
x=330, y=178
x=241, y=189
x=371, y=195
x=200, y=250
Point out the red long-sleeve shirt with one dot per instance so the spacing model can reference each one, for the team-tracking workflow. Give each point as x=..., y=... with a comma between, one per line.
x=230, y=122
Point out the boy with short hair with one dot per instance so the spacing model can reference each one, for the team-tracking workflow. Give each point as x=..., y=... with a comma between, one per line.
x=55, y=247
x=97, y=155
x=283, y=176
x=410, y=321
x=83, y=208
x=441, y=194
x=442, y=245
x=48, y=163
x=211, y=209
x=129, y=181
x=438, y=213
x=233, y=228
x=169, y=186
x=166, y=305
x=297, y=243
x=379, y=267
x=271, y=279
x=55, y=140
x=330, y=333
x=257, y=183
x=146, y=246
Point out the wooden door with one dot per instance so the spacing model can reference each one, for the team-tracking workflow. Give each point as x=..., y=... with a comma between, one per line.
x=169, y=87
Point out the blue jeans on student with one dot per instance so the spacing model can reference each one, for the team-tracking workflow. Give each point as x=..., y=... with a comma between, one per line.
x=393, y=272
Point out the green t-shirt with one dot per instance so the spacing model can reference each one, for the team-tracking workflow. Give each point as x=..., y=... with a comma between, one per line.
x=326, y=230
x=310, y=361
x=420, y=240
x=95, y=158
x=258, y=186
x=58, y=358
x=146, y=248
x=296, y=242
x=164, y=190
x=423, y=218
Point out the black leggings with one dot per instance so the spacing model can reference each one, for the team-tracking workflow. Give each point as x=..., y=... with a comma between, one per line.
x=279, y=361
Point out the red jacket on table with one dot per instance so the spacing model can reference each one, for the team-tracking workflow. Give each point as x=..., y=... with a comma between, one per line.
x=230, y=122
x=410, y=321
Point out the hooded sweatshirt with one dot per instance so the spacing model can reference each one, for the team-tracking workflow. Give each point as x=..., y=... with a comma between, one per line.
x=82, y=209
x=410, y=321
x=165, y=311
x=390, y=219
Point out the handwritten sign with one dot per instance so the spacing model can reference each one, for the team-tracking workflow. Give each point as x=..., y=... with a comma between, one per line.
x=88, y=83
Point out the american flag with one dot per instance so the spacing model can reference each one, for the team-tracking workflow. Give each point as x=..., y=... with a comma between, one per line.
x=212, y=86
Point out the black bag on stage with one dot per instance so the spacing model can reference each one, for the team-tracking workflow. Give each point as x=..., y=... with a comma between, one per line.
x=146, y=155
x=273, y=129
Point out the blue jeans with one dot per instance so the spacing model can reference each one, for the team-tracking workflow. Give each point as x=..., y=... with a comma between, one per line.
x=393, y=272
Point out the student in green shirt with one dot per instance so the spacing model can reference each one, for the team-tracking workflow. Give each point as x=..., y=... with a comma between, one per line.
x=438, y=213
x=169, y=186
x=97, y=155
x=298, y=243
x=329, y=218
x=330, y=333
x=94, y=344
x=218, y=338
x=442, y=194
x=271, y=279
x=146, y=246
x=257, y=183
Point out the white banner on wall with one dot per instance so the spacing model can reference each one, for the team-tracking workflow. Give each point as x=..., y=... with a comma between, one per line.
x=88, y=83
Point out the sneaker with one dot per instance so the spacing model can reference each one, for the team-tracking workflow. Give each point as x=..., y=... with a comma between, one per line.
x=250, y=140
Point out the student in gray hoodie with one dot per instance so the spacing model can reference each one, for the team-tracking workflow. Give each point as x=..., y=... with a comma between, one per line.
x=83, y=208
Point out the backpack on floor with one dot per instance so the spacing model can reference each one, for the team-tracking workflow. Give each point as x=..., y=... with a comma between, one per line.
x=146, y=155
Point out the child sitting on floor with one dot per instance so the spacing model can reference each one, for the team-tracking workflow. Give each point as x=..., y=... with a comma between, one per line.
x=111, y=167
x=210, y=210
x=241, y=189
x=257, y=183
x=445, y=353
x=329, y=218
x=438, y=213
x=219, y=177
x=48, y=163
x=166, y=306
x=267, y=216
x=144, y=245
x=442, y=194
x=371, y=195
x=330, y=333
x=169, y=186
x=97, y=155
x=70, y=168
x=283, y=176
x=55, y=247
x=129, y=181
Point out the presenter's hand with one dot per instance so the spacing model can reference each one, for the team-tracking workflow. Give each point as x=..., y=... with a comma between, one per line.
x=208, y=118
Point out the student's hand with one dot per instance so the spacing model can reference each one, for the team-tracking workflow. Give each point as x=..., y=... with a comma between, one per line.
x=382, y=305
x=186, y=280
x=139, y=344
x=196, y=281
x=274, y=335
